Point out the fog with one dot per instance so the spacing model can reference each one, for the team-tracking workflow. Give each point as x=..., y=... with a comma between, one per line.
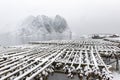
x=83, y=16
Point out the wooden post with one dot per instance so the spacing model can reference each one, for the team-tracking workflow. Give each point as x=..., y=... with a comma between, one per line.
x=117, y=62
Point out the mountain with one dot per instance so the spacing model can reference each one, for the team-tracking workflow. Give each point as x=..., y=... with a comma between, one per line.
x=38, y=28
x=44, y=28
x=60, y=24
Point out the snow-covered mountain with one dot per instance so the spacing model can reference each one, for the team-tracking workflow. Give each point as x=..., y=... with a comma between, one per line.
x=45, y=28
x=39, y=28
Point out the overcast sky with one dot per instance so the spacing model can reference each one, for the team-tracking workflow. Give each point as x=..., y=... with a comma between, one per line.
x=83, y=16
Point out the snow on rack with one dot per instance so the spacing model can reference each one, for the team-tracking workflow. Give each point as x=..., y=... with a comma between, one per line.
x=81, y=58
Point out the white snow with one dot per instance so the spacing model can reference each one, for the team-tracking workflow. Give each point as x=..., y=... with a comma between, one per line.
x=114, y=39
x=116, y=76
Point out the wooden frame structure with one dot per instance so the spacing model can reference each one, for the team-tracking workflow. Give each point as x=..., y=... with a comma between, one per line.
x=82, y=58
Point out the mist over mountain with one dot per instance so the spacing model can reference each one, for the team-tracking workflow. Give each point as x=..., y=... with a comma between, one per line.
x=38, y=28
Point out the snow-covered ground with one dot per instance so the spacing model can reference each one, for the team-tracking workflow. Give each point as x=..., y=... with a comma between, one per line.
x=116, y=75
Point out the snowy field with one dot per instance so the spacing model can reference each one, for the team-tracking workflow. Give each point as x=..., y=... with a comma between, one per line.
x=116, y=75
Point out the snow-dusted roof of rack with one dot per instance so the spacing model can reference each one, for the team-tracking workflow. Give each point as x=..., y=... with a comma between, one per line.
x=27, y=63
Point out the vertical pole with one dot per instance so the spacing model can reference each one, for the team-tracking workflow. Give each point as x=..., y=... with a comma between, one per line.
x=117, y=63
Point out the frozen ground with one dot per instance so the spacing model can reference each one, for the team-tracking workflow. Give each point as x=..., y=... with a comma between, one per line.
x=116, y=75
